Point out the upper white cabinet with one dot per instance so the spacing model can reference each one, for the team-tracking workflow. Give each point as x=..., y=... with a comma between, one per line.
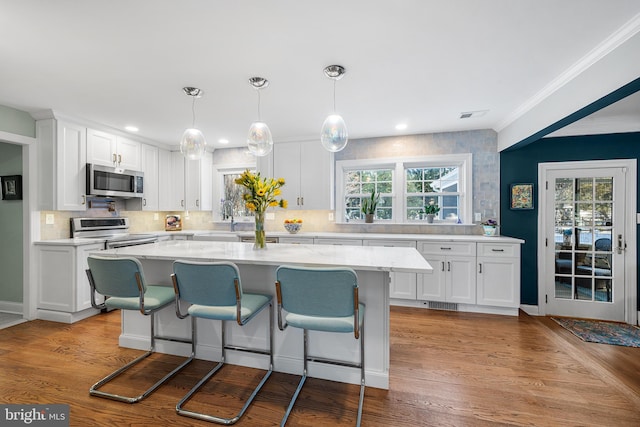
x=185, y=184
x=150, y=166
x=307, y=169
x=453, y=278
x=111, y=150
x=199, y=183
x=62, y=157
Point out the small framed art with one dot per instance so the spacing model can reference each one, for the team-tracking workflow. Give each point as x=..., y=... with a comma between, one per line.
x=521, y=196
x=12, y=187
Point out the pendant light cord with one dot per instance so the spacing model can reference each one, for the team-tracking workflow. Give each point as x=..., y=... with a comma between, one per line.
x=334, y=96
x=193, y=112
x=259, y=117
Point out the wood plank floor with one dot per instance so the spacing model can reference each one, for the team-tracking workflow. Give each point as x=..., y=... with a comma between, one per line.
x=447, y=369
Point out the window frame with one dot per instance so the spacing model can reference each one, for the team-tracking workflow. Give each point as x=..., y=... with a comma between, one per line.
x=399, y=195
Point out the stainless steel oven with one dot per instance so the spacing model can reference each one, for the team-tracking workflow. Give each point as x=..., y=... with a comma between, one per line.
x=114, y=231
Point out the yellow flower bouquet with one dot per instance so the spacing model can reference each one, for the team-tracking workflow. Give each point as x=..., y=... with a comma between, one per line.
x=262, y=193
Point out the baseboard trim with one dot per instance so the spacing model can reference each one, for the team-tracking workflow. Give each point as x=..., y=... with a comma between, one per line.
x=11, y=307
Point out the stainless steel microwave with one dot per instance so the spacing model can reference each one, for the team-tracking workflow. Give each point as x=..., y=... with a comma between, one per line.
x=114, y=182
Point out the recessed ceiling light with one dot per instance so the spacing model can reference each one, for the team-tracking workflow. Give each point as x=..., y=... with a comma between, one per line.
x=401, y=126
x=131, y=128
x=223, y=141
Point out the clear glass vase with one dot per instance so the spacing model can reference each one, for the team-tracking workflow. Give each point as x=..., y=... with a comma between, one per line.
x=260, y=242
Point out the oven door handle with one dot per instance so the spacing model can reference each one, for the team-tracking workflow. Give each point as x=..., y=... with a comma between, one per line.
x=125, y=243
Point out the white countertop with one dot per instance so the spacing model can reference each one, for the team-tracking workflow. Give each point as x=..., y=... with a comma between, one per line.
x=309, y=235
x=356, y=257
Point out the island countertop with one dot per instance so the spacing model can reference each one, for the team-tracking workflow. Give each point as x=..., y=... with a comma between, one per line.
x=396, y=259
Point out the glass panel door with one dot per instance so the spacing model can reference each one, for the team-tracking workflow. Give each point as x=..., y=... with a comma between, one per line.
x=588, y=214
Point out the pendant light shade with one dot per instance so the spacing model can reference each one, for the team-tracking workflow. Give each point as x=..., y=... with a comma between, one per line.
x=334, y=135
x=192, y=143
x=259, y=140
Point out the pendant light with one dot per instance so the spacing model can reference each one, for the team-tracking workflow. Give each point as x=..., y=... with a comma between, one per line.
x=192, y=144
x=259, y=141
x=334, y=135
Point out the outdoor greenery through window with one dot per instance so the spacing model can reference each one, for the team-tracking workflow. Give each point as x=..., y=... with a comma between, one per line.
x=360, y=183
x=406, y=186
x=437, y=185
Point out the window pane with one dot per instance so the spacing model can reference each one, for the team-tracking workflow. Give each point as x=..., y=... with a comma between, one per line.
x=438, y=184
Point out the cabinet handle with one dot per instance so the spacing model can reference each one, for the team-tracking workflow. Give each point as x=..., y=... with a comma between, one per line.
x=497, y=250
x=480, y=265
x=182, y=203
x=144, y=202
x=119, y=158
x=445, y=249
x=114, y=158
x=198, y=203
x=448, y=266
x=84, y=200
x=301, y=201
x=442, y=265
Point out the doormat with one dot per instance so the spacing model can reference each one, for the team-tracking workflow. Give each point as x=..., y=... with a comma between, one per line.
x=602, y=332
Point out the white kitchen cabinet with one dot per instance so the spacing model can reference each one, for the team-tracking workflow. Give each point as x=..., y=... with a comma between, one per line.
x=296, y=240
x=110, y=150
x=307, y=169
x=498, y=275
x=332, y=241
x=199, y=183
x=186, y=184
x=402, y=285
x=64, y=294
x=150, y=167
x=453, y=278
x=62, y=158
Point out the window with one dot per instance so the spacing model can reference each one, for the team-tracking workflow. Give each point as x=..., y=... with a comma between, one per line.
x=230, y=194
x=406, y=185
x=360, y=183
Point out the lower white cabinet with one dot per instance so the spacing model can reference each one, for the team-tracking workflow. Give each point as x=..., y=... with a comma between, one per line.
x=64, y=294
x=296, y=240
x=402, y=285
x=498, y=272
x=453, y=278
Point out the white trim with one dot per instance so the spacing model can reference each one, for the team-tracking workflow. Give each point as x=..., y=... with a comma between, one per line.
x=630, y=278
x=16, y=139
x=611, y=43
x=464, y=161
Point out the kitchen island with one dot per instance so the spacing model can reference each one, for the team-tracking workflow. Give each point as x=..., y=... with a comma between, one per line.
x=257, y=271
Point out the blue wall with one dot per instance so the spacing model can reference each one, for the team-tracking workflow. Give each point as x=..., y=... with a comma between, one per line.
x=520, y=165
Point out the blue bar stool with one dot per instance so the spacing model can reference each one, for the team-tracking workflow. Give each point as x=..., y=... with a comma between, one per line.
x=214, y=291
x=321, y=299
x=121, y=281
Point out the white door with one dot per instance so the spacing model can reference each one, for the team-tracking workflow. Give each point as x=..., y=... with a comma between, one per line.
x=585, y=242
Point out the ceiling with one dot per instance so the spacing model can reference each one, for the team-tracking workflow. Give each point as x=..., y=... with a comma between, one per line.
x=418, y=62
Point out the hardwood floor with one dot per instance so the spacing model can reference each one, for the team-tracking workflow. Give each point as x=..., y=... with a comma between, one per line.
x=447, y=369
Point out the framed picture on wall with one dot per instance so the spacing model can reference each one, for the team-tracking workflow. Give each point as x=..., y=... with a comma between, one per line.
x=12, y=187
x=521, y=196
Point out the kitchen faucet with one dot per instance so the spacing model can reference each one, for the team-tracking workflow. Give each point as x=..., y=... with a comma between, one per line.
x=230, y=204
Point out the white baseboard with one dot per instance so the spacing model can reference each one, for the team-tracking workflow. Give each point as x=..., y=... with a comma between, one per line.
x=470, y=308
x=11, y=307
x=64, y=317
x=531, y=310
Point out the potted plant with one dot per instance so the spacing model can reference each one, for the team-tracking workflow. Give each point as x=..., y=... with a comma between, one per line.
x=489, y=226
x=431, y=210
x=369, y=206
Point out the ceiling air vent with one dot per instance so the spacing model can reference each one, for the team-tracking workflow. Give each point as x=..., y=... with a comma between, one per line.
x=474, y=114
